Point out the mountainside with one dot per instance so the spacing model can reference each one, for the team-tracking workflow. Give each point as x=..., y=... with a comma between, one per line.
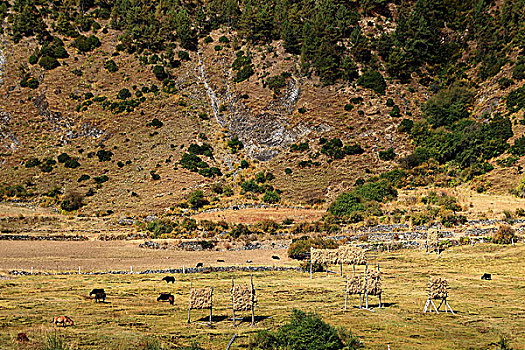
x=131, y=106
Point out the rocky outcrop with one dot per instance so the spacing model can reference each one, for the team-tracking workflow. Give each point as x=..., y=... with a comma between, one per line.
x=263, y=134
x=8, y=140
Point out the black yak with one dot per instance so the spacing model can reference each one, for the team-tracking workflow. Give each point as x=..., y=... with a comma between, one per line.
x=166, y=297
x=169, y=279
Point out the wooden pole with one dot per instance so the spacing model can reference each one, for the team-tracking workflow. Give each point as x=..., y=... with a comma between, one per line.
x=231, y=341
x=253, y=301
x=341, y=268
x=346, y=293
x=189, y=303
x=233, y=305
x=366, y=286
x=310, y=267
x=211, y=304
x=353, y=270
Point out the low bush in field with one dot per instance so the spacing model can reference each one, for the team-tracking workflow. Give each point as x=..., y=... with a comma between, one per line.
x=504, y=235
x=305, y=331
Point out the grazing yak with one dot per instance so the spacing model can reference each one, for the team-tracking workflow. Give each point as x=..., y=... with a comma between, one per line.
x=99, y=294
x=275, y=257
x=169, y=279
x=166, y=297
x=220, y=260
x=199, y=265
x=486, y=276
x=22, y=338
x=63, y=320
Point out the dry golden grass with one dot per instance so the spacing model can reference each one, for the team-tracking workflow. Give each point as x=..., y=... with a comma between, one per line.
x=486, y=310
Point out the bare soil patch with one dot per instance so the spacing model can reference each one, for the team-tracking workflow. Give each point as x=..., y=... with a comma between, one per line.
x=120, y=255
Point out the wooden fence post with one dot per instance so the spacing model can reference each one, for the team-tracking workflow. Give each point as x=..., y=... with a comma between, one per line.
x=189, y=302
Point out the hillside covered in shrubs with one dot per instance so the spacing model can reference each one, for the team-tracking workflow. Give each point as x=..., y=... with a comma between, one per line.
x=134, y=106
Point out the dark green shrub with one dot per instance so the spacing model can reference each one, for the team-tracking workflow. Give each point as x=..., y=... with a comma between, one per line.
x=348, y=107
x=208, y=39
x=210, y=172
x=183, y=55
x=72, y=163
x=160, y=73
x=405, y=125
x=100, y=179
x=299, y=147
x=235, y=144
x=276, y=83
x=48, y=63
x=518, y=148
x=373, y=80
x=251, y=186
x=32, y=162
x=111, y=66
x=244, y=164
x=223, y=39
x=72, y=201
x=271, y=197
x=390, y=102
x=302, y=110
x=204, y=149
x=33, y=83
x=155, y=123
x=387, y=155
x=379, y=191
x=63, y=157
x=516, y=100
x=305, y=331
x=104, y=156
x=154, y=175
x=83, y=177
x=47, y=165
x=354, y=149
x=287, y=171
x=243, y=66
x=196, y=199
x=124, y=94
x=395, y=112
x=346, y=204
x=33, y=59
x=86, y=44
x=448, y=106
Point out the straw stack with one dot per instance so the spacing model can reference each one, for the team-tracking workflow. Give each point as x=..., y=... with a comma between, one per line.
x=201, y=298
x=374, y=286
x=351, y=255
x=356, y=285
x=432, y=238
x=243, y=297
x=343, y=255
x=437, y=288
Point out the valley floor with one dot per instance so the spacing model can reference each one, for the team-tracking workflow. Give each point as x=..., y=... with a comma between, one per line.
x=486, y=310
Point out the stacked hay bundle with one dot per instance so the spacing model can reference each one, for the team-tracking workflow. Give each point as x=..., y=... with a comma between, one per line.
x=317, y=256
x=432, y=238
x=437, y=288
x=243, y=297
x=201, y=298
x=355, y=285
x=324, y=256
x=351, y=255
x=374, y=286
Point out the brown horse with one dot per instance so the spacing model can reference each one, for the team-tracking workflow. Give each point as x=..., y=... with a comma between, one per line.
x=63, y=320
